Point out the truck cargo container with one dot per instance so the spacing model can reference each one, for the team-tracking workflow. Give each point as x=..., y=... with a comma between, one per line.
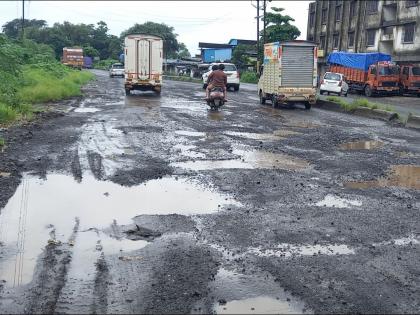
x=371, y=73
x=73, y=57
x=143, y=60
x=289, y=73
x=87, y=62
x=410, y=79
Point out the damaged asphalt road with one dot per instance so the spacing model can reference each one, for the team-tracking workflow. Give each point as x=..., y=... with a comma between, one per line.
x=146, y=204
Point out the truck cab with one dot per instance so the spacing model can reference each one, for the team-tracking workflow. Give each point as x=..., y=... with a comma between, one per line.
x=382, y=77
x=410, y=79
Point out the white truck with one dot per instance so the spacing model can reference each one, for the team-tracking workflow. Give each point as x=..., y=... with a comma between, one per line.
x=289, y=73
x=143, y=61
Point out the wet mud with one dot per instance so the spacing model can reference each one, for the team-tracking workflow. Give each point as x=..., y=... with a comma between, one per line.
x=146, y=204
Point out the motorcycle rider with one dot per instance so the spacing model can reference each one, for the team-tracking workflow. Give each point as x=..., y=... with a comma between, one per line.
x=216, y=79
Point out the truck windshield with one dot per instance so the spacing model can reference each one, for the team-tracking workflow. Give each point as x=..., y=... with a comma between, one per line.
x=416, y=70
x=391, y=70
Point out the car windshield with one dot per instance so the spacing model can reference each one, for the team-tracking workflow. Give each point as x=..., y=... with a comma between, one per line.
x=332, y=76
x=416, y=70
x=118, y=67
x=227, y=68
x=391, y=70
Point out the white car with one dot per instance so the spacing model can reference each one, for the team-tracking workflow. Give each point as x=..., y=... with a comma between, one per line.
x=334, y=83
x=116, y=69
x=231, y=72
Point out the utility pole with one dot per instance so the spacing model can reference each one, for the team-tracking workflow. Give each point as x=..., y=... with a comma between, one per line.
x=23, y=18
x=258, y=34
x=265, y=5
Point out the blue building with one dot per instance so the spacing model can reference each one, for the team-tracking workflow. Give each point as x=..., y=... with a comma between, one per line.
x=211, y=52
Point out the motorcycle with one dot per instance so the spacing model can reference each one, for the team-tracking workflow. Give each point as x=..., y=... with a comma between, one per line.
x=216, y=98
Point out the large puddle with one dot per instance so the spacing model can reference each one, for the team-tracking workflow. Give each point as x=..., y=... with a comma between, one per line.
x=362, y=145
x=248, y=160
x=43, y=211
x=406, y=176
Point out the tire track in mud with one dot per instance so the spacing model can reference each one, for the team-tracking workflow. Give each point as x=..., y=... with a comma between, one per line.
x=100, y=292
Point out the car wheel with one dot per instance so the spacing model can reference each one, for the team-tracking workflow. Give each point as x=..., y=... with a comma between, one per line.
x=236, y=87
x=328, y=93
x=339, y=94
x=321, y=92
x=368, y=91
x=346, y=93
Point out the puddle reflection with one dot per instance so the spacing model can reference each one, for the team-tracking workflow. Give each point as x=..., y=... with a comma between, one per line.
x=362, y=145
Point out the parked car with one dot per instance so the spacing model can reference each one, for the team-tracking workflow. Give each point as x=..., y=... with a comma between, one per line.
x=231, y=72
x=334, y=83
x=116, y=69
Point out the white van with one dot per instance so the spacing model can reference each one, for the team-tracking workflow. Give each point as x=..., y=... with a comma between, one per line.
x=143, y=63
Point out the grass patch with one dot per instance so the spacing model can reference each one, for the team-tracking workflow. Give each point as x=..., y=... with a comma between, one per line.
x=249, y=77
x=42, y=86
x=7, y=114
x=2, y=142
x=361, y=102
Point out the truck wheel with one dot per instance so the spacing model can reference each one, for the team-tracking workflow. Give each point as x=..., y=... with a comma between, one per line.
x=262, y=99
x=401, y=92
x=127, y=92
x=368, y=91
x=236, y=87
x=321, y=92
x=308, y=105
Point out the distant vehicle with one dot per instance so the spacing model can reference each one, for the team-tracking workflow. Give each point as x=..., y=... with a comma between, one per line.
x=73, y=57
x=410, y=79
x=334, y=83
x=289, y=73
x=143, y=62
x=116, y=69
x=231, y=72
x=87, y=62
x=371, y=73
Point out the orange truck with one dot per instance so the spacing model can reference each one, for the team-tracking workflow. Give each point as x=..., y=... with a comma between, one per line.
x=73, y=57
x=368, y=73
x=410, y=79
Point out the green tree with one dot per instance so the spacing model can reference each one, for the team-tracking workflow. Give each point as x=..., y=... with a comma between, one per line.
x=90, y=51
x=183, y=51
x=170, y=43
x=278, y=27
x=239, y=56
x=13, y=28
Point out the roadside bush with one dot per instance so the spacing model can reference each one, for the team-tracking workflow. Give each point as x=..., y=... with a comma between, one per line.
x=7, y=114
x=249, y=77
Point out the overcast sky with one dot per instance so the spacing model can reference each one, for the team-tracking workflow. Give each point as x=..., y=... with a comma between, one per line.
x=194, y=21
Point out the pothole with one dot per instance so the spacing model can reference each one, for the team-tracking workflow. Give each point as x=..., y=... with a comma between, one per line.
x=43, y=211
x=86, y=110
x=337, y=202
x=362, y=145
x=252, y=159
x=238, y=293
x=406, y=176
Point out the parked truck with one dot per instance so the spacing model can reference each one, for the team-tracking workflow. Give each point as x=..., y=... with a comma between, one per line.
x=410, y=79
x=289, y=73
x=371, y=73
x=73, y=57
x=143, y=60
x=87, y=62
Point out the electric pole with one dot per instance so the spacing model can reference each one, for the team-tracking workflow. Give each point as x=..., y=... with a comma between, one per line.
x=23, y=18
x=258, y=34
x=265, y=5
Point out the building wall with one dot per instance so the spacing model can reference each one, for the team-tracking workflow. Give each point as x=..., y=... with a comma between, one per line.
x=388, y=23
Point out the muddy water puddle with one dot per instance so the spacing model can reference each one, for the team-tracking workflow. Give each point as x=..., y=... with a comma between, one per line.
x=251, y=159
x=276, y=135
x=44, y=211
x=405, y=176
x=362, y=145
x=247, y=294
x=86, y=110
